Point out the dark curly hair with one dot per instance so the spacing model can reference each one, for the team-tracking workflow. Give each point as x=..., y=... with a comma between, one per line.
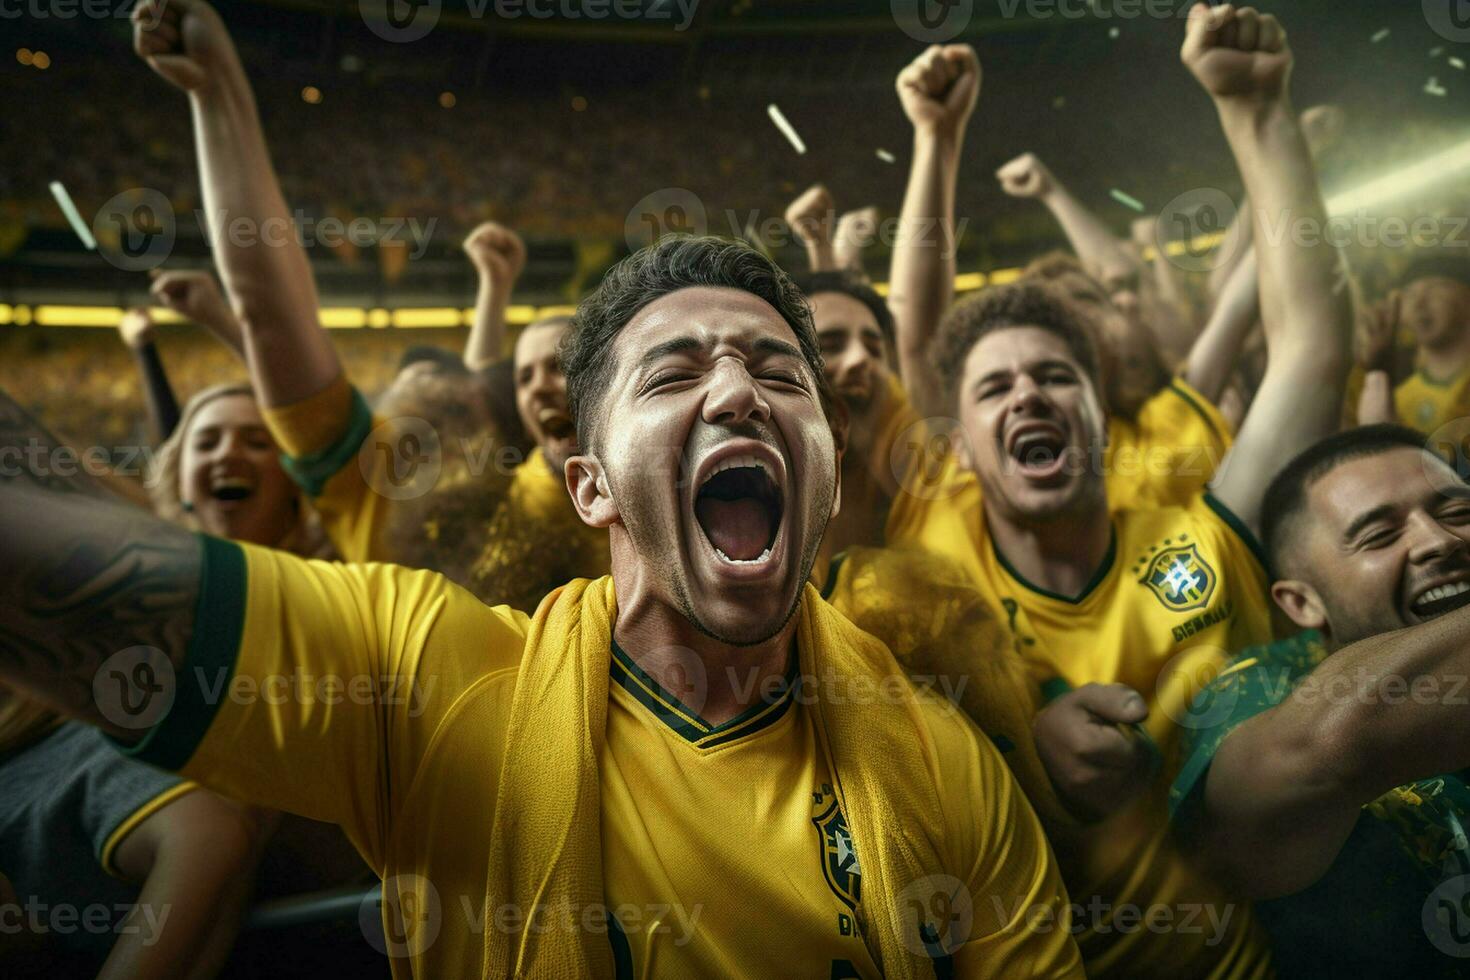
x=672, y=263
x=852, y=284
x=1019, y=304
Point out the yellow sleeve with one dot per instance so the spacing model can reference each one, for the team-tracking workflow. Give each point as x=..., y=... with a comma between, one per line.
x=326, y=449
x=315, y=687
x=1012, y=905
x=1180, y=440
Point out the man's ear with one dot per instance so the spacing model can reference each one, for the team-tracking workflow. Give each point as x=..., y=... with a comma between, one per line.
x=587, y=483
x=1301, y=603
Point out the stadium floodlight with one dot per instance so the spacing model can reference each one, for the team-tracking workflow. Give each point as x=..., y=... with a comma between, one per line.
x=1416, y=176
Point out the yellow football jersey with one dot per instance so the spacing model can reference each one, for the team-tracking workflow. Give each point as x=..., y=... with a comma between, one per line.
x=1180, y=589
x=1167, y=454
x=378, y=698
x=357, y=467
x=1426, y=404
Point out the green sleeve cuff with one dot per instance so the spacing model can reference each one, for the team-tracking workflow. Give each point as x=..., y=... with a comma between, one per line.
x=1241, y=531
x=209, y=663
x=312, y=472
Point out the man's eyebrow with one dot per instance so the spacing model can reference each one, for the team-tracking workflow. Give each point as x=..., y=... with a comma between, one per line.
x=770, y=345
x=1381, y=512
x=674, y=345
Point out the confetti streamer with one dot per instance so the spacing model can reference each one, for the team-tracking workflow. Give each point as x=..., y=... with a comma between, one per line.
x=73, y=216
x=1127, y=200
x=1383, y=33
x=1432, y=87
x=885, y=156
x=1435, y=52
x=785, y=127
x=1457, y=63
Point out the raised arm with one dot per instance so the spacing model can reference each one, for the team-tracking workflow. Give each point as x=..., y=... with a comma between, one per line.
x=1286, y=787
x=1214, y=354
x=1242, y=60
x=136, y=330
x=1099, y=249
x=265, y=269
x=498, y=255
x=1377, y=326
x=855, y=232
x=938, y=91
x=811, y=217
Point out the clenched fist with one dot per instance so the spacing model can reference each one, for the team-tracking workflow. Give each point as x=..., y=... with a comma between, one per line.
x=1096, y=760
x=1237, y=53
x=497, y=252
x=1026, y=176
x=184, y=41
x=811, y=216
x=136, y=327
x=194, y=295
x=939, y=88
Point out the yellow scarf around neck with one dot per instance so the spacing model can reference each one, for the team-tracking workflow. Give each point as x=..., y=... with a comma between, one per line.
x=546, y=847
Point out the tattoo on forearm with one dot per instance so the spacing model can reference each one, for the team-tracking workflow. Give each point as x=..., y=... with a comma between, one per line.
x=83, y=579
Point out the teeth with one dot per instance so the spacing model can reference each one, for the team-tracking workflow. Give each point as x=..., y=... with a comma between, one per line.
x=764, y=555
x=736, y=462
x=1441, y=592
x=231, y=482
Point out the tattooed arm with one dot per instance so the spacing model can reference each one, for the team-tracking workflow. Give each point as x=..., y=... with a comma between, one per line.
x=85, y=576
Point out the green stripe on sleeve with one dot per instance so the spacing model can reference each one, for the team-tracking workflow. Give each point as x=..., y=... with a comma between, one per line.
x=1238, y=526
x=311, y=472
x=219, y=623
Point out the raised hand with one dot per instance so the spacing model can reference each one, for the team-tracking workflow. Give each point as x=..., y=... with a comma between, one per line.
x=1322, y=125
x=194, y=295
x=136, y=328
x=184, y=41
x=1026, y=176
x=856, y=230
x=811, y=216
x=497, y=252
x=939, y=88
x=1237, y=53
x=1377, y=326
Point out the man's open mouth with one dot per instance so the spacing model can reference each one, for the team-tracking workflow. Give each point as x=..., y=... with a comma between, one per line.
x=556, y=423
x=739, y=508
x=1440, y=599
x=1038, y=449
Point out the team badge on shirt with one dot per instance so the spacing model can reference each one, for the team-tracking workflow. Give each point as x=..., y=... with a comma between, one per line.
x=839, y=859
x=1180, y=578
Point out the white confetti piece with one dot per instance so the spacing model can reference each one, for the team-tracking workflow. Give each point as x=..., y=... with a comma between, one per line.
x=1432, y=87
x=885, y=156
x=785, y=127
x=1457, y=63
x=1382, y=33
x=72, y=216
x=1127, y=200
x=1114, y=33
x=1435, y=52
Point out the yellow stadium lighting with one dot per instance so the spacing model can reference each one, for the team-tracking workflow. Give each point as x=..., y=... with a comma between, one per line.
x=77, y=316
x=1002, y=276
x=6, y=314
x=428, y=317
x=379, y=318
x=966, y=281
x=518, y=314
x=342, y=317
